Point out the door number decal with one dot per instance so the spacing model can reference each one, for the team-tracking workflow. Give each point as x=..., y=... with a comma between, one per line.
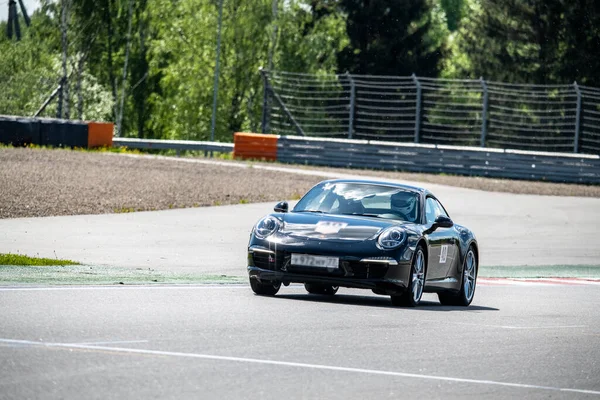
x=443, y=254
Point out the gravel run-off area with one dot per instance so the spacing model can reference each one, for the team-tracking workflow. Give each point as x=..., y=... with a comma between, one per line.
x=45, y=182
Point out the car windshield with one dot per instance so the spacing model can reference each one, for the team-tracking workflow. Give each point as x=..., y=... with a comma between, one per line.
x=371, y=200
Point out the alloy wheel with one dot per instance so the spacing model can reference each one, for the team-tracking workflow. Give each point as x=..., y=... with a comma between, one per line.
x=418, y=276
x=469, y=276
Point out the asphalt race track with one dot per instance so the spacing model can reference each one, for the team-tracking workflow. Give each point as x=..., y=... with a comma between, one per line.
x=526, y=341
x=511, y=230
x=517, y=340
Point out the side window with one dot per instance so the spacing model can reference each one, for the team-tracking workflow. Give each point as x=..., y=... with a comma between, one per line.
x=430, y=209
x=433, y=209
x=440, y=210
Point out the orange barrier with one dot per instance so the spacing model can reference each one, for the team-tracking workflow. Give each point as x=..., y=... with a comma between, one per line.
x=255, y=145
x=100, y=134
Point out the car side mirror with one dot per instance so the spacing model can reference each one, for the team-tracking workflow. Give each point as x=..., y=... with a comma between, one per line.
x=282, y=206
x=443, y=222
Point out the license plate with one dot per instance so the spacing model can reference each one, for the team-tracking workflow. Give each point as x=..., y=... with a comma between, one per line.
x=307, y=260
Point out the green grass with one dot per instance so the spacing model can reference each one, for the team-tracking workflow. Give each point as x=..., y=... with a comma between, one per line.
x=19, y=259
x=100, y=275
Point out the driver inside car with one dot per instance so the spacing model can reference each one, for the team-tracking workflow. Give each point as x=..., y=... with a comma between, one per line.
x=404, y=204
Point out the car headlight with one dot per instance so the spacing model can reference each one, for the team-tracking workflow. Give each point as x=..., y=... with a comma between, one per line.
x=266, y=227
x=391, y=238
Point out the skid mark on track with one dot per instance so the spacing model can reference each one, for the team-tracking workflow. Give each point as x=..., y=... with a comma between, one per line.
x=298, y=365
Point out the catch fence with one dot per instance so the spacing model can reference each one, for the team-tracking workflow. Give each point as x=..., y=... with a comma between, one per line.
x=553, y=118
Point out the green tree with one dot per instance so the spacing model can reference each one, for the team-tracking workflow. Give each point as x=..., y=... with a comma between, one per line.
x=511, y=40
x=183, y=56
x=310, y=38
x=392, y=37
x=581, y=56
x=30, y=71
x=454, y=10
x=26, y=75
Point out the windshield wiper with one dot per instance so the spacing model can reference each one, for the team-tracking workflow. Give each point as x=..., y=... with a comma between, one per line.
x=311, y=211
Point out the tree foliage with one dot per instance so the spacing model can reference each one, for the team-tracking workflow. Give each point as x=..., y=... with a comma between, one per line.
x=454, y=10
x=391, y=37
x=528, y=41
x=169, y=77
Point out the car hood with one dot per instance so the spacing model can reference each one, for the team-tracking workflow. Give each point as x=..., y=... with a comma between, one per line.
x=332, y=227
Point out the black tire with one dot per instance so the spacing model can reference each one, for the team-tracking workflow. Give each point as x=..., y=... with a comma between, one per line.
x=315, y=288
x=264, y=289
x=465, y=295
x=418, y=269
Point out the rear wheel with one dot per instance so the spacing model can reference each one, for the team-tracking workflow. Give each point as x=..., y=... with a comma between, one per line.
x=315, y=288
x=266, y=288
x=412, y=296
x=467, y=287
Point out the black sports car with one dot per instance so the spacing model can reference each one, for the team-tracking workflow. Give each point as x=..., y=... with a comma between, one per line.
x=394, y=239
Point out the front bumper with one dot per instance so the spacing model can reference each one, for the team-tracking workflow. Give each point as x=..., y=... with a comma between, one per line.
x=384, y=274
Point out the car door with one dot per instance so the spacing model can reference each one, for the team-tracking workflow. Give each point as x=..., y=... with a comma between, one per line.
x=442, y=249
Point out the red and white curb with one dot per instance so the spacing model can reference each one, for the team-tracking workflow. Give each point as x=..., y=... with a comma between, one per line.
x=537, y=281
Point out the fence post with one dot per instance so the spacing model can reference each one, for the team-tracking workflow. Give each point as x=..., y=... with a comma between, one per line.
x=264, y=123
x=351, y=115
x=277, y=99
x=418, y=110
x=484, y=111
x=48, y=100
x=577, y=118
x=60, y=98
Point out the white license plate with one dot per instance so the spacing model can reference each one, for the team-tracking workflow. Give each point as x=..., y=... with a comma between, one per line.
x=308, y=260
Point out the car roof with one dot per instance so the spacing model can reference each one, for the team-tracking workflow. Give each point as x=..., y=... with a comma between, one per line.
x=411, y=188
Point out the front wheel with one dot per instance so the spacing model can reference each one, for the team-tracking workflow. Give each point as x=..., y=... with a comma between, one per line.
x=315, y=288
x=264, y=289
x=464, y=297
x=412, y=296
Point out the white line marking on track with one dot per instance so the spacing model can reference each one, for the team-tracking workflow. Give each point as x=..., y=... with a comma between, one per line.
x=54, y=288
x=300, y=365
x=109, y=342
x=543, y=327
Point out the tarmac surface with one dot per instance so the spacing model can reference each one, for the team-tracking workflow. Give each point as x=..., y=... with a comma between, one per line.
x=515, y=341
x=519, y=339
x=512, y=230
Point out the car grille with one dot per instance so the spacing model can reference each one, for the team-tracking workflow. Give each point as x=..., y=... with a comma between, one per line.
x=361, y=270
x=280, y=261
x=273, y=262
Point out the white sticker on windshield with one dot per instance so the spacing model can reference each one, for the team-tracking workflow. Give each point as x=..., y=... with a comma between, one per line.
x=329, y=227
x=443, y=254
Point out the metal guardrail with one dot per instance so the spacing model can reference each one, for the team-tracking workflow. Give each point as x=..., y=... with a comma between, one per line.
x=179, y=145
x=431, y=158
x=412, y=157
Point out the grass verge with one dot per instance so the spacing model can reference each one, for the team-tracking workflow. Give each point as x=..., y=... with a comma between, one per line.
x=19, y=259
x=98, y=275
